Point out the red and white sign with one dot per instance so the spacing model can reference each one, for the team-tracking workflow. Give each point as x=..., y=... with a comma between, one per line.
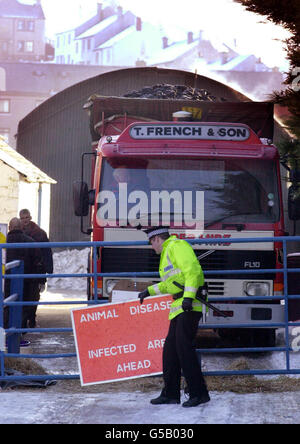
x=121, y=341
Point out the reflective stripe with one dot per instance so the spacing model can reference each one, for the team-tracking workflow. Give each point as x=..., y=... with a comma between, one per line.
x=192, y=289
x=171, y=273
x=197, y=304
x=174, y=309
x=168, y=268
x=169, y=260
x=156, y=289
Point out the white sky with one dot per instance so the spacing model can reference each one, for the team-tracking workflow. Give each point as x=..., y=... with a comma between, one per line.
x=221, y=20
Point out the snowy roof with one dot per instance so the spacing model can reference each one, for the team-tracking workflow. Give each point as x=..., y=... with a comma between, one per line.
x=12, y=8
x=15, y=160
x=98, y=27
x=118, y=37
x=172, y=52
x=229, y=66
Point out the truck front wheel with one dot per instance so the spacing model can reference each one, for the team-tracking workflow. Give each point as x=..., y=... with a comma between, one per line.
x=249, y=337
x=259, y=337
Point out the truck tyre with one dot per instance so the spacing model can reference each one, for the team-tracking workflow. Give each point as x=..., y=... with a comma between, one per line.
x=258, y=337
x=265, y=337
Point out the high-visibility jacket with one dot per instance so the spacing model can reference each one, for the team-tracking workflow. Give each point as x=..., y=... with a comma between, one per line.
x=3, y=241
x=179, y=263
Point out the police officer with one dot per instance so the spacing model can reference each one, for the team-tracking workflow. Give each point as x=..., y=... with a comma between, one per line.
x=178, y=263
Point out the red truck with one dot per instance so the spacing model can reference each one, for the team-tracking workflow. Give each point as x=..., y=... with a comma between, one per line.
x=211, y=177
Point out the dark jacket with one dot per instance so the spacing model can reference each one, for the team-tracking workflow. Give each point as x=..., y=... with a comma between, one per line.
x=31, y=257
x=39, y=235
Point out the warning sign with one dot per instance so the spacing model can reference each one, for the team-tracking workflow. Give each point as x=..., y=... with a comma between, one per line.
x=121, y=341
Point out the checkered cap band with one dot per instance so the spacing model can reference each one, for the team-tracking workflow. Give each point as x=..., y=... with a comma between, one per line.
x=156, y=232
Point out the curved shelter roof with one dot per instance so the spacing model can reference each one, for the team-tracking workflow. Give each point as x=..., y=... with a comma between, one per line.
x=55, y=134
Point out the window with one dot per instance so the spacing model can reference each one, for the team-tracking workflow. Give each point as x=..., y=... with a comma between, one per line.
x=25, y=25
x=21, y=25
x=89, y=44
x=29, y=46
x=20, y=46
x=57, y=42
x=4, y=46
x=30, y=25
x=4, y=106
x=220, y=180
x=4, y=132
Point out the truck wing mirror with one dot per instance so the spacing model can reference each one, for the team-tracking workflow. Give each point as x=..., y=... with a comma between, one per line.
x=294, y=202
x=81, y=198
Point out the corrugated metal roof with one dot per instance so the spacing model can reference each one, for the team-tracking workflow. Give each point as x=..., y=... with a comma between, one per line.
x=15, y=160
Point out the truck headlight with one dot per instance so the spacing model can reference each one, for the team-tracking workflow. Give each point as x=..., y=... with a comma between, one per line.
x=257, y=289
x=110, y=284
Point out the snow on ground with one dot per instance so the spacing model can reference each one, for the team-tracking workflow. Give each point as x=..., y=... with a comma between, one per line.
x=46, y=407
x=68, y=262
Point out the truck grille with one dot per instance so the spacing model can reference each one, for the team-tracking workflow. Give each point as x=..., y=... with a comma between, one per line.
x=130, y=260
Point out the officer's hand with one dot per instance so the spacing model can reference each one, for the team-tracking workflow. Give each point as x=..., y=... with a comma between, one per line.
x=144, y=294
x=187, y=304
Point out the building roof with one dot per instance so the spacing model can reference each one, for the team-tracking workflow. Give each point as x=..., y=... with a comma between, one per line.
x=172, y=52
x=231, y=65
x=13, y=8
x=98, y=27
x=15, y=160
x=118, y=37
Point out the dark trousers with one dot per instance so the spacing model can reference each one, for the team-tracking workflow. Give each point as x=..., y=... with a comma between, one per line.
x=179, y=353
x=31, y=293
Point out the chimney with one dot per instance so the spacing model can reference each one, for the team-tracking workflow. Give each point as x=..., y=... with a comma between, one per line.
x=99, y=11
x=138, y=23
x=165, y=42
x=224, y=57
x=190, y=37
x=119, y=11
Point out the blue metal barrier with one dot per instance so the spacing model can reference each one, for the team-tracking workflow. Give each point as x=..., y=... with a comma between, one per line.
x=94, y=245
x=15, y=313
x=14, y=317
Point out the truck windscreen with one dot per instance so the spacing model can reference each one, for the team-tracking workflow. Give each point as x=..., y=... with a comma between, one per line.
x=233, y=191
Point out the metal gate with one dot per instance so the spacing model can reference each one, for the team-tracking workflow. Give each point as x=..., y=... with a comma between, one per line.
x=9, y=337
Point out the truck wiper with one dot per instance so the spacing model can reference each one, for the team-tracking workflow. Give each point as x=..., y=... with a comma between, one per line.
x=163, y=213
x=237, y=225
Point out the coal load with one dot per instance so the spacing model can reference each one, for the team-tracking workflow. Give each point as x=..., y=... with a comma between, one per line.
x=179, y=92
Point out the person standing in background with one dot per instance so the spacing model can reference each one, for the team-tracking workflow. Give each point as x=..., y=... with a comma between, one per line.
x=32, y=260
x=38, y=235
